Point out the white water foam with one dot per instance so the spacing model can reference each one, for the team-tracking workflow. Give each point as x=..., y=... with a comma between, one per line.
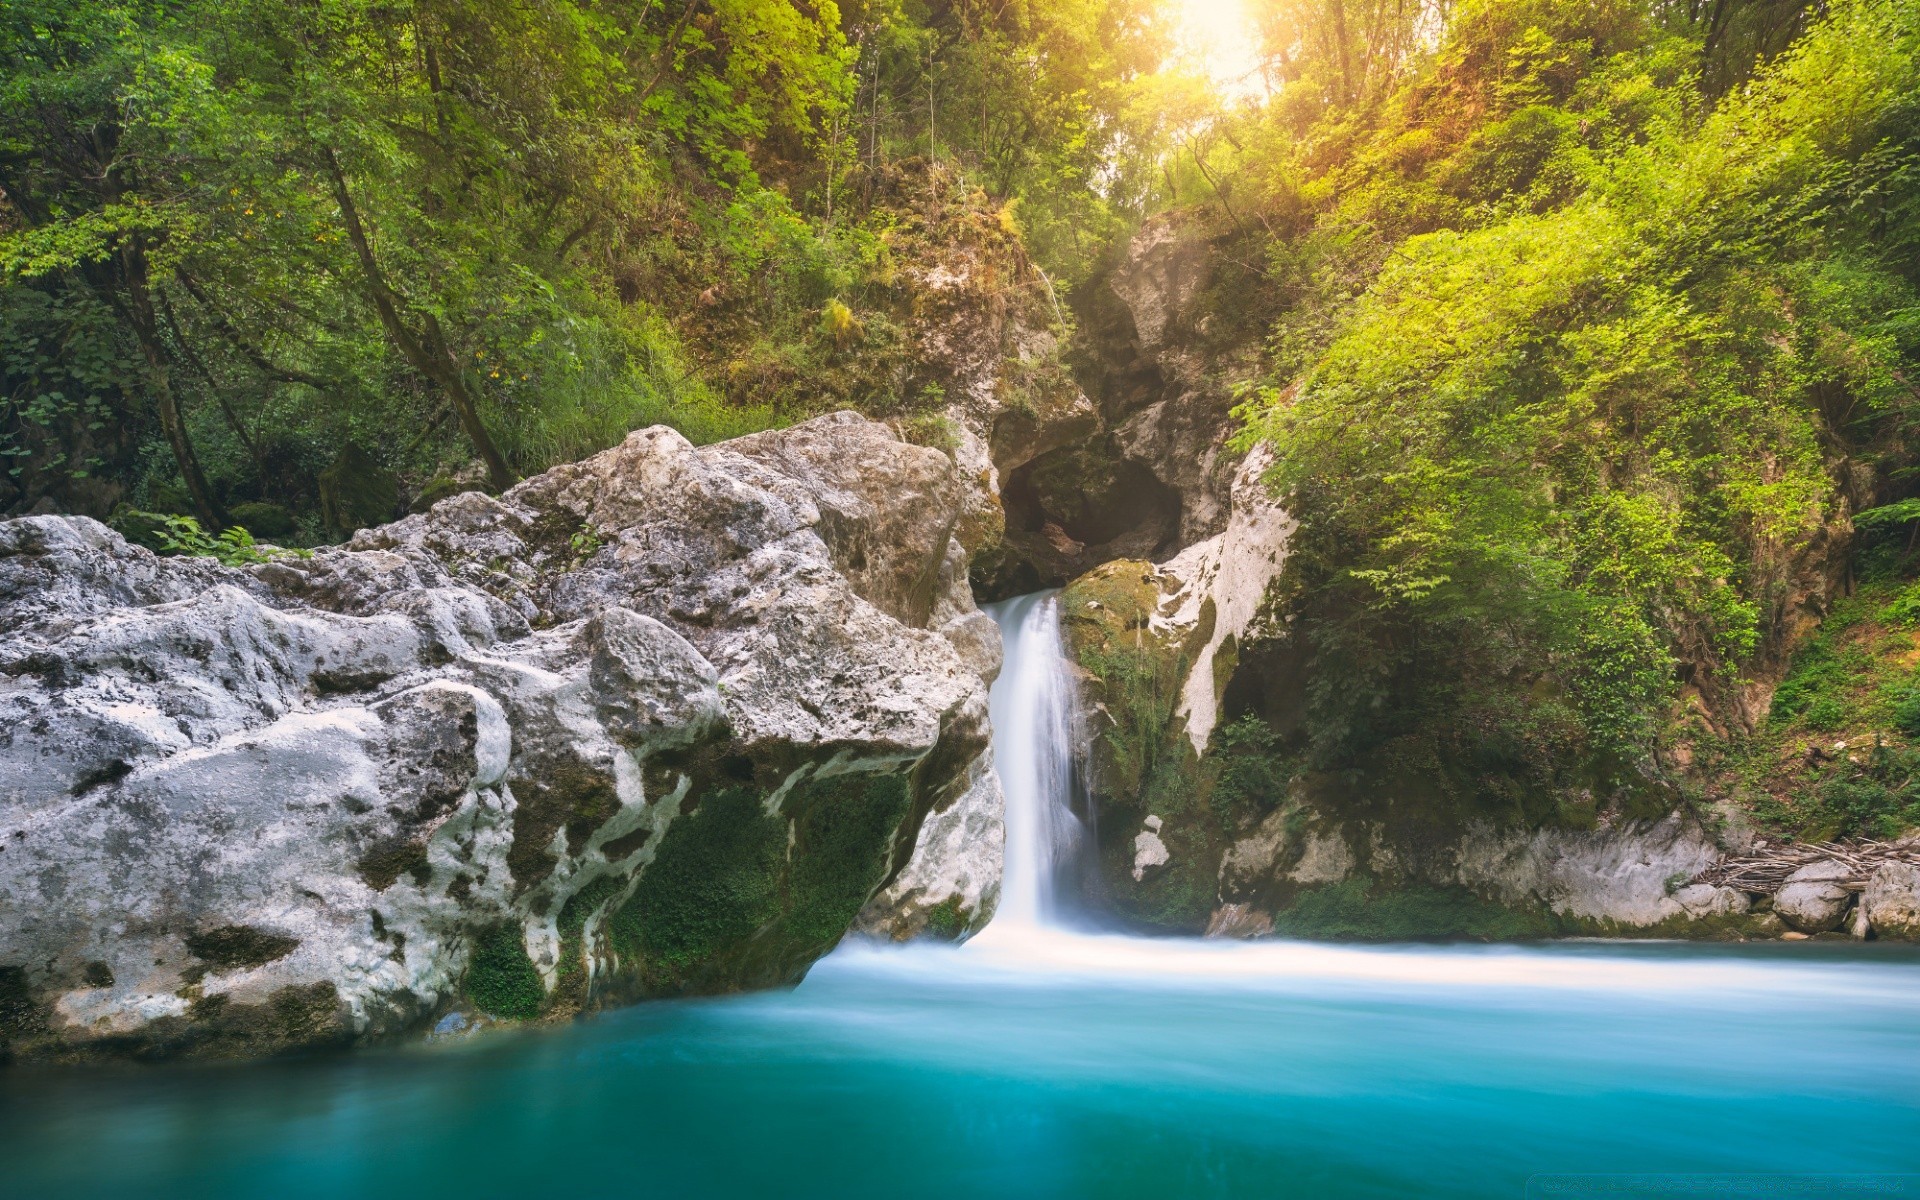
x=1034, y=724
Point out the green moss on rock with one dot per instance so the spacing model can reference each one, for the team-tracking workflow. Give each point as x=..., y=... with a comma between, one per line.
x=21, y=1017
x=501, y=979
x=383, y=864
x=948, y=919
x=843, y=830
x=713, y=882
x=234, y=947
x=551, y=795
x=1360, y=909
x=737, y=896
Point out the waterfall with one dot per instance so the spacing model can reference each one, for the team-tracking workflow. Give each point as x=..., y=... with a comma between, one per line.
x=1033, y=752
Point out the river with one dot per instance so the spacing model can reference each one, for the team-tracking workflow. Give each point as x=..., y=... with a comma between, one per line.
x=1047, y=1061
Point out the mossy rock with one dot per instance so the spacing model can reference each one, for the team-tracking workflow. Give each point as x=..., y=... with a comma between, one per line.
x=140, y=527
x=238, y=947
x=434, y=490
x=357, y=492
x=21, y=1016
x=1360, y=909
x=737, y=896
x=263, y=519
x=713, y=884
x=553, y=794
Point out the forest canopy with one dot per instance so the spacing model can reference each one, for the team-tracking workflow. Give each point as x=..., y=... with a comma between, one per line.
x=1570, y=323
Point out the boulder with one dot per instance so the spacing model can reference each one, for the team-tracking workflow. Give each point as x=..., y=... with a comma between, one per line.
x=357, y=492
x=1813, y=900
x=264, y=519
x=658, y=722
x=1892, y=900
x=1709, y=900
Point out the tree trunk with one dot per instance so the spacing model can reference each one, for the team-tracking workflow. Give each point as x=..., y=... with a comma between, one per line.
x=146, y=328
x=427, y=354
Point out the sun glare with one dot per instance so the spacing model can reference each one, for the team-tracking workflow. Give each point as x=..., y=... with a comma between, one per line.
x=1217, y=39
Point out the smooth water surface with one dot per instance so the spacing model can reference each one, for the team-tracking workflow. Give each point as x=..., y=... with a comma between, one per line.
x=1060, y=1066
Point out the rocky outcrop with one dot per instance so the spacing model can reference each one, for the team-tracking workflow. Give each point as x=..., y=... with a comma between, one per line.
x=1144, y=471
x=661, y=721
x=1208, y=823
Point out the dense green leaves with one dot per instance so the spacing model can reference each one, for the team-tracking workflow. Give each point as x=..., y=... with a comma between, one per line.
x=1575, y=436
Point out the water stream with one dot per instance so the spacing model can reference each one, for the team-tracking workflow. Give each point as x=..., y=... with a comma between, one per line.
x=1033, y=753
x=1041, y=1060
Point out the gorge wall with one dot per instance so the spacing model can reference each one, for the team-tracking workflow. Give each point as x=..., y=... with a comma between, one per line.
x=1210, y=821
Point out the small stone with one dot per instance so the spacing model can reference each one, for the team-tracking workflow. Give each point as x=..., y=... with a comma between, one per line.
x=1793, y=935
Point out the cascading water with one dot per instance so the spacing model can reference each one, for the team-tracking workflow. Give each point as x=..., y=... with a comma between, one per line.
x=1033, y=751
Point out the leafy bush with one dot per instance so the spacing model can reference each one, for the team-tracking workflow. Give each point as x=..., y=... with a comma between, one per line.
x=233, y=546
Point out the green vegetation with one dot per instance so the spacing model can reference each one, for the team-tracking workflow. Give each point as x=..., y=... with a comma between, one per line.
x=948, y=919
x=1839, y=755
x=234, y=546
x=1362, y=910
x=501, y=980
x=1570, y=331
x=461, y=240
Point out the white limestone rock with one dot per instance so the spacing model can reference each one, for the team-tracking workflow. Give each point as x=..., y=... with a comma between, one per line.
x=1891, y=902
x=1619, y=875
x=249, y=809
x=1812, y=900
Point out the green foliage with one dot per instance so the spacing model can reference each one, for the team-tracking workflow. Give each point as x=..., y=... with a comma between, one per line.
x=1254, y=768
x=1560, y=439
x=1904, y=610
x=1877, y=797
x=1889, y=516
x=234, y=547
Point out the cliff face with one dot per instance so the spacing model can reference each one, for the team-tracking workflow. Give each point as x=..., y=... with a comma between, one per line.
x=660, y=721
x=1208, y=825
x=1208, y=820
